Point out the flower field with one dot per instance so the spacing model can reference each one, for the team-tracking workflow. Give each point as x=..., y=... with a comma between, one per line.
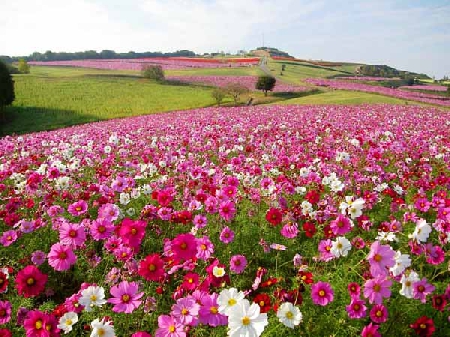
x=403, y=94
x=266, y=220
x=439, y=88
x=248, y=81
x=165, y=62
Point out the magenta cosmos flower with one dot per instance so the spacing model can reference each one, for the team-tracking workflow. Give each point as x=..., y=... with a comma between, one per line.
x=370, y=331
x=322, y=293
x=226, y=235
x=227, y=210
x=101, y=229
x=356, y=309
x=379, y=313
x=238, y=263
x=381, y=257
x=126, y=297
x=132, y=232
x=72, y=234
x=61, y=257
x=184, y=246
x=5, y=312
x=376, y=289
x=78, y=208
x=421, y=289
x=209, y=311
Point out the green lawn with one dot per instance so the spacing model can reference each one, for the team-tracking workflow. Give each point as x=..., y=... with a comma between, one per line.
x=345, y=97
x=296, y=72
x=55, y=97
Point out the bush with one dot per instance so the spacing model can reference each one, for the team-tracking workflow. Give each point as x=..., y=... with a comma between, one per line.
x=153, y=73
x=265, y=83
x=235, y=90
x=218, y=94
x=6, y=88
x=24, y=67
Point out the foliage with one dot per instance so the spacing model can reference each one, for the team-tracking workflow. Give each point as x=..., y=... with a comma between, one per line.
x=386, y=71
x=24, y=67
x=6, y=87
x=218, y=94
x=448, y=90
x=235, y=90
x=265, y=83
x=154, y=72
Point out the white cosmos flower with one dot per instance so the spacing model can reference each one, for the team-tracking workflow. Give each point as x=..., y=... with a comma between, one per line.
x=92, y=296
x=386, y=236
x=422, y=231
x=124, y=198
x=340, y=247
x=67, y=320
x=402, y=261
x=228, y=298
x=218, y=271
x=246, y=320
x=102, y=328
x=407, y=284
x=289, y=315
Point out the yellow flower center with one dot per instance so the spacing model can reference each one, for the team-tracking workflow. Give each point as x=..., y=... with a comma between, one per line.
x=38, y=324
x=78, y=208
x=172, y=328
x=379, y=313
x=203, y=246
x=289, y=315
x=101, y=229
x=69, y=322
x=183, y=246
x=126, y=298
x=152, y=267
x=133, y=231
x=246, y=320
x=321, y=293
x=93, y=298
x=101, y=332
x=377, y=257
x=30, y=281
x=423, y=326
x=48, y=327
x=356, y=307
x=261, y=303
x=231, y=302
x=73, y=233
x=213, y=310
x=377, y=288
x=184, y=311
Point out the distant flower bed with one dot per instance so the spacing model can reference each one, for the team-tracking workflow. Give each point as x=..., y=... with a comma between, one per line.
x=441, y=88
x=366, y=78
x=402, y=94
x=166, y=63
x=247, y=81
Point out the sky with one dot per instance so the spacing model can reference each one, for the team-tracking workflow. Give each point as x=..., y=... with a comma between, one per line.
x=411, y=35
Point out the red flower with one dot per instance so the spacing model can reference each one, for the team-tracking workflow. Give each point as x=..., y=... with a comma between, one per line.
x=269, y=282
x=132, y=232
x=152, y=268
x=424, y=326
x=439, y=302
x=312, y=196
x=274, y=216
x=3, y=282
x=30, y=281
x=263, y=300
x=309, y=229
x=305, y=277
x=190, y=281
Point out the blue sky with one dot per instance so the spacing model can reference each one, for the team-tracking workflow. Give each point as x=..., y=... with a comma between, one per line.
x=410, y=35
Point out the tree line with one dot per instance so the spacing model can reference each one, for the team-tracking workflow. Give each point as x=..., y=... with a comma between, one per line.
x=92, y=54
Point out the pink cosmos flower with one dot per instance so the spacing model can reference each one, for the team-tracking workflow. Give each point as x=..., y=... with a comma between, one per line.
x=169, y=327
x=141, y=334
x=72, y=234
x=132, y=232
x=126, y=297
x=8, y=238
x=290, y=230
x=61, y=257
x=322, y=293
x=204, y=248
x=421, y=289
x=38, y=324
x=184, y=246
x=109, y=212
x=354, y=289
x=325, y=250
x=379, y=313
x=226, y=235
x=238, y=263
x=376, y=289
x=227, y=210
x=5, y=312
x=101, y=229
x=381, y=257
x=370, y=331
x=356, y=309
x=200, y=221
x=78, y=208
x=341, y=225
x=185, y=311
x=38, y=257
x=209, y=311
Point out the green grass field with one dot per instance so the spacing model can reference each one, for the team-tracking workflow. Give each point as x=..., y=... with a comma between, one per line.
x=52, y=97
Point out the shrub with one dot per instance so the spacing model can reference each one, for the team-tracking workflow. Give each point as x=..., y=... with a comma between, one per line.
x=24, y=67
x=218, y=94
x=235, y=90
x=265, y=83
x=6, y=88
x=153, y=73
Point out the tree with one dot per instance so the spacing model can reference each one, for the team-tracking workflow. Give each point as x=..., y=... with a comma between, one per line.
x=235, y=90
x=265, y=83
x=6, y=88
x=153, y=73
x=218, y=94
x=24, y=67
